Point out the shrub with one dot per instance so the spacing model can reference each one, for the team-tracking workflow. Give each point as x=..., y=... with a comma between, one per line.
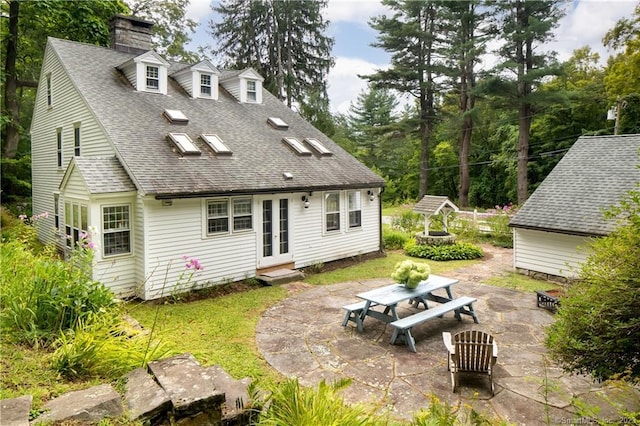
x=393, y=239
x=456, y=251
x=42, y=295
x=408, y=222
x=291, y=404
x=102, y=345
x=597, y=326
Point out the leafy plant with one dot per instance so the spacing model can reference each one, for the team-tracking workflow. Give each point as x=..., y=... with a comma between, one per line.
x=393, y=239
x=410, y=273
x=42, y=296
x=408, y=222
x=597, y=326
x=103, y=345
x=288, y=403
x=443, y=252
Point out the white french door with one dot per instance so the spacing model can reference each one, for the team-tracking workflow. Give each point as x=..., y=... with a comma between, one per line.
x=274, y=230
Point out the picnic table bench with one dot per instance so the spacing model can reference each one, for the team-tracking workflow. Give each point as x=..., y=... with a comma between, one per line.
x=402, y=327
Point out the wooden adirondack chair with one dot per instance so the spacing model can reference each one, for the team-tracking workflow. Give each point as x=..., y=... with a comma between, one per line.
x=470, y=351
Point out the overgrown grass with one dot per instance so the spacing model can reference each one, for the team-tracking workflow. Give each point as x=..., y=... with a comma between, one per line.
x=219, y=331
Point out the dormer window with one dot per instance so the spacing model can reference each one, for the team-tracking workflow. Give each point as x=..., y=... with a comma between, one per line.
x=153, y=77
x=199, y=80
x=147, y=72
x=252, y=93
x=205, y=85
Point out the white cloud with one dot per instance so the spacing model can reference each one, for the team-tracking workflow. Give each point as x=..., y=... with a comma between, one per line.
x=586, y=23
x=344, y=83
x=355, y=11
x=199, y=9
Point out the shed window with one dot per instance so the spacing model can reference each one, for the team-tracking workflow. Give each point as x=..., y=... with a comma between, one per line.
x=332, y=211
x=217, y=216
x=242, y=214
x=56, y=211
x=153, y=77
x=116, y=230
x=355, y=209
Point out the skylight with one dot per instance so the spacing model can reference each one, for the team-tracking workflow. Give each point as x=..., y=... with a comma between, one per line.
x=297, y=146
x=277, y=123
x=175, y=116
x=184, y=144
x=216, y=144
x=316, y=145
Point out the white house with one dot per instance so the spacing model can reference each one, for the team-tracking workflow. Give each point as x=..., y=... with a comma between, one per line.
x=161, y=160
x=566, y=210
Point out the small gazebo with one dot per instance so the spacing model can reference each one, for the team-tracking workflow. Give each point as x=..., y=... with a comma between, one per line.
x=430, y=206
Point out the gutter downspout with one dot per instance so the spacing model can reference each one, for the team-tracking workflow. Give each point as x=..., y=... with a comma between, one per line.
x=380, y=245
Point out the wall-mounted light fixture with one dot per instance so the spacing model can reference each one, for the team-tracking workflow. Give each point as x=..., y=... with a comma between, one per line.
x=371, y=195
x=306, y=202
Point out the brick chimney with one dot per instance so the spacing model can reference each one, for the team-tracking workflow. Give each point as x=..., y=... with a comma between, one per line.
x=130, y=34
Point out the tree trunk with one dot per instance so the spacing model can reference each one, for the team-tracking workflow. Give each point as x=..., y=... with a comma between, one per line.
x=524, y=126
x=11, y=84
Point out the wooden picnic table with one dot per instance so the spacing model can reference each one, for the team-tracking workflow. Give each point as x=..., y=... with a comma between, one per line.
x=389, y=297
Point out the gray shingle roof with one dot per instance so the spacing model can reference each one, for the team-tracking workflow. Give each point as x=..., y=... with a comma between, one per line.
x=134, y=123
x=594, y=175
x=103, y=175
x=432, y=204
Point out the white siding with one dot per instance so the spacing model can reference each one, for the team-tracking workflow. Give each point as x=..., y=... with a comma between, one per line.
x=176, y=231
x=312, y=245
x=68, y=108
x=548, y=252
x=233, y=87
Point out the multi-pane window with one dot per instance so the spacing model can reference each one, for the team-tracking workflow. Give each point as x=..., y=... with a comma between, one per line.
x=56, y=211
x=76, y=140
x=59, y=146
x=116, y=230
x=332, y=211
x=205, y=84
x=75, y=222
x=355, y=209
x=225, y=215
x=242, y=214
x=217, y=216
x=153, y=77
x=252, y=93
x=49, y=101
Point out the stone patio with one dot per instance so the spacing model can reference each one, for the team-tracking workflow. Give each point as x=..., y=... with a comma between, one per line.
x=302, y=337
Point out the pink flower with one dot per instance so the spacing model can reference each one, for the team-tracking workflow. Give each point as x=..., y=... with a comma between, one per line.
x=192, y=263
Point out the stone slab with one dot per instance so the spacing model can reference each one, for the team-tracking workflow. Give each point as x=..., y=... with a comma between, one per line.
x=15, y=411
x=188, y=385
x=235, y=392
x=144, y=397
x=87, y=405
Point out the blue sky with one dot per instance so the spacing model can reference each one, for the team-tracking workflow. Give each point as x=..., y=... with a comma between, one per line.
x=585, y=23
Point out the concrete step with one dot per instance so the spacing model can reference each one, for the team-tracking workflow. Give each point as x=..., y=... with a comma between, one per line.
x=280, y=276
x=236, y=409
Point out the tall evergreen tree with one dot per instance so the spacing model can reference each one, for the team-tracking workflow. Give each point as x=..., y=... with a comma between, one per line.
x=411, y=35
x=467, y=32
x=171, y=27
x=282, y=41
x=526, y=26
